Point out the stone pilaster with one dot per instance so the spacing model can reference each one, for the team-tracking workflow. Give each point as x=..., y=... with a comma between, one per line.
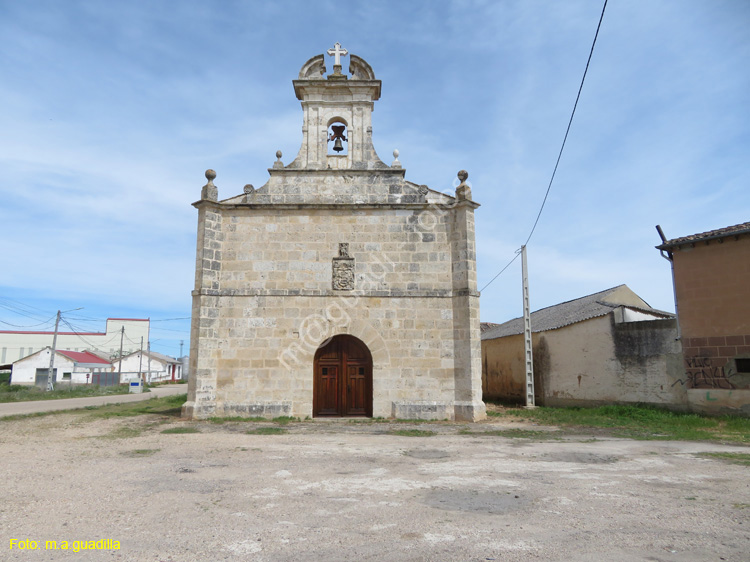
x=201, y=400
x=466, y=331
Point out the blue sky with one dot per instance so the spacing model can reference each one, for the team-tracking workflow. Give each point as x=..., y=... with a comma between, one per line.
x=112, y=111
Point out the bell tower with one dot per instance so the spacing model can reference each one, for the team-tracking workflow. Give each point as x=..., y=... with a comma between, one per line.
x=337, y=114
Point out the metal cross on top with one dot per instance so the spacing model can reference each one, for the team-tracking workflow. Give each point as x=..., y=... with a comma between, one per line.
x=337, y=52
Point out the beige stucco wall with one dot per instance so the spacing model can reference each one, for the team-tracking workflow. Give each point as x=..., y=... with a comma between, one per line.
x=590, y=362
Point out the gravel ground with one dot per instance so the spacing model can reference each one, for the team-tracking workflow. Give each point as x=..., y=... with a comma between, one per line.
x=354, y=491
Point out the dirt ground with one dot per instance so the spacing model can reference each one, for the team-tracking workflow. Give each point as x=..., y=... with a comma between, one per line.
x=353, y=491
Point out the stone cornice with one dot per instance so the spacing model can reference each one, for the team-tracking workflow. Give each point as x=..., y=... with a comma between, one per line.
x=393, y=293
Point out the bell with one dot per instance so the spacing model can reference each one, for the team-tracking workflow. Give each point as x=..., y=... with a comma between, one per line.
x=337, y=146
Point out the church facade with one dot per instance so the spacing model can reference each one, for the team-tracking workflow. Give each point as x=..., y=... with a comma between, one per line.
x=338, y=288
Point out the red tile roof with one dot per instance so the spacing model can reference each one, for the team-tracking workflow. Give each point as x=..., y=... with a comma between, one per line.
x=83, y=357
x=735, y=230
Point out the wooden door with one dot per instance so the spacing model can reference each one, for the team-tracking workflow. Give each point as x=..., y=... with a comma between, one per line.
x=342, y=384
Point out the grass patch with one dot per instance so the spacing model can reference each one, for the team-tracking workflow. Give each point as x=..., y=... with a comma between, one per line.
x=181, y=430
x=267, y=431
x=283, y=420
x=23, y=393
x=167, y=406
x=122, y=433
x=642, y=422
x=140, y=452
x=734, y=458
x=412, y=433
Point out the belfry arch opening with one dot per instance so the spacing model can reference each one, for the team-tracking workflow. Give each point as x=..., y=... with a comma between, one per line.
x=338, y=138
x=342, y=378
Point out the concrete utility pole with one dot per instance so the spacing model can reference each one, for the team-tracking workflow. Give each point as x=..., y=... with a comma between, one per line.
x=119, y=365
x=149, y=359
x=140, y=361
x=51, y=372
x=528, y=352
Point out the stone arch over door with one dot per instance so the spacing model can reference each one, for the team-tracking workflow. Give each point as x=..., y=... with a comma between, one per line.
x=342, y=383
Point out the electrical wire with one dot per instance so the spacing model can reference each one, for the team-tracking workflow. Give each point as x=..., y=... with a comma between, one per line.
x=22, y=312
x=570, y=122
x=518, y=253
x=31, y=326
x=562, y=147
x=87, y=342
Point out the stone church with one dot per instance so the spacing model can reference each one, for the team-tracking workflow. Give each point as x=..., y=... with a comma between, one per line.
x=338, y=288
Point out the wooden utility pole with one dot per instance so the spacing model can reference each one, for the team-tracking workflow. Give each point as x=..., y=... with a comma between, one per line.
x=528, y=352
x=51, y=371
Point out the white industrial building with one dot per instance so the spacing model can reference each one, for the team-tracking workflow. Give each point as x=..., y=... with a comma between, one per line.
x=15, y=344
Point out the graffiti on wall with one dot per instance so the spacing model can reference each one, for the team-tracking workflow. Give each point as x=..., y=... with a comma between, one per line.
x=702, y=372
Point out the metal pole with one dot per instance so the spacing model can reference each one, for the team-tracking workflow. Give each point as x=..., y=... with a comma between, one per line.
x=149, y=360
x=670, y=258
x=528, y=352
x=51, y=372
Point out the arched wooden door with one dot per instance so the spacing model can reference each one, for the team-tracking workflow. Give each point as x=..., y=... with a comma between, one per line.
x=342, y=384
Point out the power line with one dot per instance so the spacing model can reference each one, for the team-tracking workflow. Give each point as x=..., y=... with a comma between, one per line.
x=518, y=253
x=49, y=321
x=21, y=311
x=570, y=122
x=84, y=340
x=562, y=147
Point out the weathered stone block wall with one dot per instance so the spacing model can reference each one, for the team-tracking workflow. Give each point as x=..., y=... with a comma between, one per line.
x=272, y=340
x=292, y=250
x=265, y=302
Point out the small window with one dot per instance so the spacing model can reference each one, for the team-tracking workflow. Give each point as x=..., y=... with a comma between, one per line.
x=66, y=376
x=361, y=370
x=325, y=370
x=743, y=364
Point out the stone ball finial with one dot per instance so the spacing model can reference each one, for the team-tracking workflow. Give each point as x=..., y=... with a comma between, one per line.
x=209, y=191
x=278, y=164
x=395, y=163
x=463, y=175
x=249, y=189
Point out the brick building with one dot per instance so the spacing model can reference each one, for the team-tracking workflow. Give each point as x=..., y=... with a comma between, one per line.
x=712, y=290
x=338, y=288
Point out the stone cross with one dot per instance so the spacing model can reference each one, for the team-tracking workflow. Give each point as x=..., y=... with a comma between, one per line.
x=336, y=52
